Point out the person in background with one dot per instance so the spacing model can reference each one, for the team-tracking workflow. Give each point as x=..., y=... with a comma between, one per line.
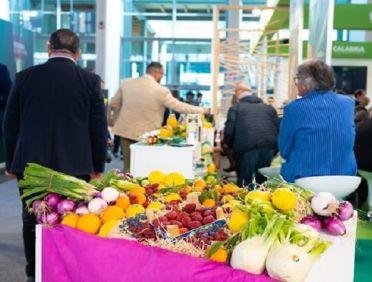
x=167, y=112
x=363, y=154
x=55, y=117
x=317, y=131
x=5, y=86
x=190, y=98
x=199, y=99
x=251, y=130
x=141, y=103
x=361, y=112
x=358, y=95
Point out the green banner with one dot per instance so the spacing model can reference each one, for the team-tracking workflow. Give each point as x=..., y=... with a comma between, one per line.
x=356, y=50
x=346, y=16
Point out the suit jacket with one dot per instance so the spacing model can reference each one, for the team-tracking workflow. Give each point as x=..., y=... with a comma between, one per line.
x=142, y=102
x=55, y=116
x=363, y=145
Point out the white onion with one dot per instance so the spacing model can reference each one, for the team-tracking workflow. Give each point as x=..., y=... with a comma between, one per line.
x=110, y=194
x=97, y=205
x=324, y=204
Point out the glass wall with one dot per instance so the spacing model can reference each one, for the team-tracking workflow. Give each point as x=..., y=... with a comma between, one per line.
x=45, y=16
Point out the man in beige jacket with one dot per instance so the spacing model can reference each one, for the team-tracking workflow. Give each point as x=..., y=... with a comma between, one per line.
x=142, y=102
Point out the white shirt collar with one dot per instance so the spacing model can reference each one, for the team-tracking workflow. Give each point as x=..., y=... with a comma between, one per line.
x=61, y=56
x=149, y=77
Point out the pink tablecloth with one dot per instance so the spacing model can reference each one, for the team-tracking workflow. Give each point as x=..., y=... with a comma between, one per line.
x=72, y=255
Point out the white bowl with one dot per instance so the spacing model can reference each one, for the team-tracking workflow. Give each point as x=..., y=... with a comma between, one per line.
x=269, y=171
x=339, y=185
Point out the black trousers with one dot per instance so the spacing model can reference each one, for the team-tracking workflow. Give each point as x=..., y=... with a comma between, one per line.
x=28, y=232
x=248, y=164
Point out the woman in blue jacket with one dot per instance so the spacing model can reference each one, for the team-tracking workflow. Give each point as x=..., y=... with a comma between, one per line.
x=317, y=131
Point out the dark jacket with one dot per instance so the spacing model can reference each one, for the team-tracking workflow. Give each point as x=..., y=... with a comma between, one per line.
x=5, y=85
x=363, y=145
x=250, y=125
x=55, y=116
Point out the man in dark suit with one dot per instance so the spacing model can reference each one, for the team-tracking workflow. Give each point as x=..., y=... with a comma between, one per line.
x=5, y=85
x=55, y=116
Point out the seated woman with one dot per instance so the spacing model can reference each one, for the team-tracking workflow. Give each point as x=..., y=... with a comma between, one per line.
x=317, y=131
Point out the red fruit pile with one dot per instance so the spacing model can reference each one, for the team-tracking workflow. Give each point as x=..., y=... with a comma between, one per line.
x=203, y=238
x=187, y=219
x=142, y=230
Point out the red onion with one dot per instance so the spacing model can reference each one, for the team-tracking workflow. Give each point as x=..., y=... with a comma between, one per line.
x=41, y=218
x=97, y=195
x=36, y=205
x=65, y=206
x=52, y=218
x=52, y=200
x=334, y=226
x=313, y=221
x=345, y=210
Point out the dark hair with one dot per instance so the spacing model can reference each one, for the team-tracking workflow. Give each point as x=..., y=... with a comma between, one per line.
x=189, y=93
x=199, y=94
x=154, y=66
x=64, y=39
x=358, y=93
x=317, y=75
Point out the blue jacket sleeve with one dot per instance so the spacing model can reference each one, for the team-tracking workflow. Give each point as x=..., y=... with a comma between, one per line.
x=98, y=127
x=11, y=123
x=287, y=132
x=229, y=131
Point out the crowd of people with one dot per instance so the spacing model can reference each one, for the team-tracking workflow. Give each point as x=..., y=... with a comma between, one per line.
x=56, y=116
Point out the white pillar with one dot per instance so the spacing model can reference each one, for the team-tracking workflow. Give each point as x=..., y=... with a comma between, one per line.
x=109, y=23
x=296, y=14
x=4, y=10
x=320, y=29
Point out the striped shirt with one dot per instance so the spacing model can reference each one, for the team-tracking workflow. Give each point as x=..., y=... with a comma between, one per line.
x=317, y=136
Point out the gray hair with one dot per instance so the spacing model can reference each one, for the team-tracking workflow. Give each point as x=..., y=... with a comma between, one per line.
x=316, y=75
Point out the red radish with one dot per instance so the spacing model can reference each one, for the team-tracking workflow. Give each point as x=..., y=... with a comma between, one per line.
x=171, y=215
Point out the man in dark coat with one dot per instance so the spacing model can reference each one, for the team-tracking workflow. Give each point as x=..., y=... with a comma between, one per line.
x=55, y=117
x=251, y=130
x=5, y=85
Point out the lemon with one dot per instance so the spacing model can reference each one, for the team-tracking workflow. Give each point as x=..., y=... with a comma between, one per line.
x=232, y=203
x=155, y=206
x=156, y=176
x=172, y=121
x=107, y=227
x=165, y=133
x=230, y=188
x=237, y=221
x=258, y=195
x=284, y=199
x=211, y=168
x=174, y=179
x=227, y=198
x=133, y=210
x=199, y=185
x=172, y=197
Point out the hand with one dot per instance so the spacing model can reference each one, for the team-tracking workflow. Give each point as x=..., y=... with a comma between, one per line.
x=9, y=174
x=96, y=175
x=207, y=111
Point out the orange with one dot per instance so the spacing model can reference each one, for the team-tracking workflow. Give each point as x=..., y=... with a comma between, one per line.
x=209, y=203
x=123, y=202
x=70, y=219
x=89, y=223
x=199, y=185
x=112, y=212
x=220, y=255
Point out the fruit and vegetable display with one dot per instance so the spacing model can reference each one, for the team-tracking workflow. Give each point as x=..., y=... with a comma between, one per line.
x=275, y=228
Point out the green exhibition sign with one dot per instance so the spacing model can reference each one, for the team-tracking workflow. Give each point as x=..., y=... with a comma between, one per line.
x=356, y=50
x=346, y=16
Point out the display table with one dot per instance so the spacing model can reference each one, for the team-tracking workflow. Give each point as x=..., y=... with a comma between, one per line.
x=66, y=254
x=146, y=158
